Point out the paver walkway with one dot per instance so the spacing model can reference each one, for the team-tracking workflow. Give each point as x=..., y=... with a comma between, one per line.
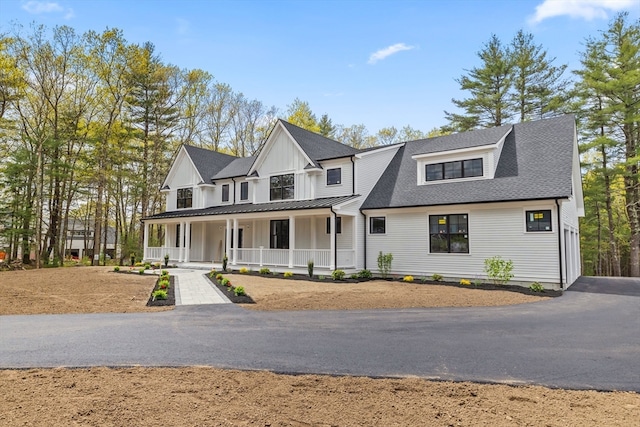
x=193, y=288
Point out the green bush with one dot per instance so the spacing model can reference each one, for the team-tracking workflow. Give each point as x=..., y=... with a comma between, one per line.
x=310, y=267
x=219, y=277
x=536, y=287
x=355, y=276
x=225, y=260
x=288, y=274
x=337, y=275
x=226, y=282
x=165, y=272
x=141, y=271
x=163, y=284
x=212, y=273
x=365, y=274
x=243, y=270
x=239, y=291
x=159, y=294
x=265, y=270
x=436, y=277
x=384, y=263
x=116, y=268
x=500, y=271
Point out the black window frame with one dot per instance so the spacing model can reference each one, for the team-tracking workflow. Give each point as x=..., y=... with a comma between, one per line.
x=279, y=234
x=279, y=186
x=338, y=225
x=454, y=170
x=534, y=224
x=244, y=191
x=225, y=192
x=450, y=235
x=334, y=181
x=383, y=220
x=184, y=198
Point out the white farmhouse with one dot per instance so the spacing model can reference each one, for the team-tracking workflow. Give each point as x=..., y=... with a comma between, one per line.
x=440, y=205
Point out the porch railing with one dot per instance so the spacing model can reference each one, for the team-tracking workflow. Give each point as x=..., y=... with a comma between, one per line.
x=270, y=257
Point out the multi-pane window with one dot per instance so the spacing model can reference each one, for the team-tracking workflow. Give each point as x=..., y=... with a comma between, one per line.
x=377, y=225
x=185, y=198
x=338, y=225
x=244, y=191
x=225, y=193
x=539, y=220
x=449, y=233
x=334, y=176
x=279, y=238
x=281, y=187
x=453, y=170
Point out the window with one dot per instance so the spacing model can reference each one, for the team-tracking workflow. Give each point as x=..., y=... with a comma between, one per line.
x=453, y=170
x=449, y=233
x=539, y=220
x=281, y=187
x=279, y=234
x=185, y=198
x=225, y=193
x=334, y=176
x=244, y=191
x=377, y=225
x=338, y=225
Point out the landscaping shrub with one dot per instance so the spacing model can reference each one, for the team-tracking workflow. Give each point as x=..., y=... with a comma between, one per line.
x=141, y=271
x=407, y=279
x=436, y=277
x=116, y=268
x=355, y=276
x=465, y=282
x=239, y=291
x=536, y=287
x=337, y=275
x=163, y=284
x=219, y=277
x=226, y=282
x=265, y=270
x=225, y=260
x=365, y=274
x=165, y=272
x=310, y=267
x=384, y=263
x=288, y=274
x=212, y=273
x=500, y=271
x=244, y=270
x=159, y=294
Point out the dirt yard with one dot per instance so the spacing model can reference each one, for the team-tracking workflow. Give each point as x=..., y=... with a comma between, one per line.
x=212, y=397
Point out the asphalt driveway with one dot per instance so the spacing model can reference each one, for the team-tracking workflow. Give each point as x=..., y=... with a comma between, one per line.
x=582, y=340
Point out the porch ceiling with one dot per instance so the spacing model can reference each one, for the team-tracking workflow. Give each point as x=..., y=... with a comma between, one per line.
x=290, y=205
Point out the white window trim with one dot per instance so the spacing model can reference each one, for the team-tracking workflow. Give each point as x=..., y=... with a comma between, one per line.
x=369, y=225
x=326, y=178
x=221, y=194
x=442, y=213
x=554, y=225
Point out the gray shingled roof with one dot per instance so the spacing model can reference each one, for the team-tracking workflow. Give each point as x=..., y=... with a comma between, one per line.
x=317, y=146
x=238, y=167
x=286, y=205
x=208, y=162
x=535, y=164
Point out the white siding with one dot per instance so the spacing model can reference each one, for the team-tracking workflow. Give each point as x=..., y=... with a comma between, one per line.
x=183, y=175
x=345, y=187
x=370, y=167
x=493, y=230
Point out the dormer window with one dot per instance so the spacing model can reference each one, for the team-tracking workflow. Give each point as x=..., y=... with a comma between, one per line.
x=281, y=187
x=225, y=193
x=452, y=170
x=185, y=198
x=244, y=191
x=334, y=176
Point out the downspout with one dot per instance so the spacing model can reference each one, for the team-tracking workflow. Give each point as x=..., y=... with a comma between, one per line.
x=559, y=244
x=365, y=239
x=353, y=176
x=335, y=238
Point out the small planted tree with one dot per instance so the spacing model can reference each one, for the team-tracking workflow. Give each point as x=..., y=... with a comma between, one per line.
x=384, y=264
x=500, y=271
x=310, y=267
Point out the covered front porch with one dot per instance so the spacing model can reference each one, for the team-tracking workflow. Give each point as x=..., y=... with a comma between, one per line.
x=271, y=239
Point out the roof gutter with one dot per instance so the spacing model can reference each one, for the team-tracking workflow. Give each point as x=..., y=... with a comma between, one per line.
x=234, y=190
x=365, y=239
x=353, y=176
x=559, y=244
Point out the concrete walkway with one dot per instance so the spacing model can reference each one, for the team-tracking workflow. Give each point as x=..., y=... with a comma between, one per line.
x=192, y=288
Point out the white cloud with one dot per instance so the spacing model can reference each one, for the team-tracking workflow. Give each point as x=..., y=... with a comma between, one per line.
x=388, y=51
x=585, y=9
x=42, y=7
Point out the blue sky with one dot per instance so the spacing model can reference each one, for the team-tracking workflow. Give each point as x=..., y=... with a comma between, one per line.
x=377, y=63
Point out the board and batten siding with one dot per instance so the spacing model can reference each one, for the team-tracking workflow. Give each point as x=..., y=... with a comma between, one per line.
x=183, y=175
x=494, y=230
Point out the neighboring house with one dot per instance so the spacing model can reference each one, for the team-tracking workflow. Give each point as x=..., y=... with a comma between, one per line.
x=79, y=240
x=439, y=205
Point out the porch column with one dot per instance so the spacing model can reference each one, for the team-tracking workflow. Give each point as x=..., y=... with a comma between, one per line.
x=292, y=238
x=180, y=237
x=332, y=242
x=187, y=240
x=203, y=236
x=166, y=240
x=234, y=259
x=314, y=220
x=227, y=246
x=146, y=240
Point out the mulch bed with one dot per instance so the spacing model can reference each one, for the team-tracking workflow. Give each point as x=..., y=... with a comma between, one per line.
x=483, y=286
x=228, y=292
x=171, y=295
